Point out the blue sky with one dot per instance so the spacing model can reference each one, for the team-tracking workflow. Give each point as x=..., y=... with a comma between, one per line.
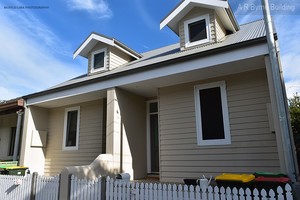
x=38, y=37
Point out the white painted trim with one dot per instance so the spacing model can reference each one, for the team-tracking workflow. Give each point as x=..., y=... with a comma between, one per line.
x=127, y=52
x=105, y=60
x=64, y=147
x=89, y=39
x=148, y=134
x=227, y=139
x=187, y=33
x=108, y=41
x=183, y=5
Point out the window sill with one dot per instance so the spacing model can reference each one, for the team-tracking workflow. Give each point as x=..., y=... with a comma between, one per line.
x=70, y=148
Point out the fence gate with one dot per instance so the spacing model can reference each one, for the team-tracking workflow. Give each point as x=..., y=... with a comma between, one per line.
x=82, y=189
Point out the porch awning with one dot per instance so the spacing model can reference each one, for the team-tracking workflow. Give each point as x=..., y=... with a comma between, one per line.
x=11, y=106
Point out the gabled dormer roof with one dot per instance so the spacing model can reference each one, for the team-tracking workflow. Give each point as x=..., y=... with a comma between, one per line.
x=221, y=7
x=94, y=38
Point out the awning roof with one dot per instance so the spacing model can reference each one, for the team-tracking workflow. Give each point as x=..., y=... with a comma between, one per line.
x=11, y=106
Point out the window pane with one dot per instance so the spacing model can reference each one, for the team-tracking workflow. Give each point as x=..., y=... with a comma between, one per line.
x=99, y=60
x=153, y=108
x=71, y=128
x=154, y=143
x=211, y=114
x=197, y=31
x=12, y=141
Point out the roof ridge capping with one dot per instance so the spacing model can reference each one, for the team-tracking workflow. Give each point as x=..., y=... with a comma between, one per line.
x=221, y=7
x=89, y=43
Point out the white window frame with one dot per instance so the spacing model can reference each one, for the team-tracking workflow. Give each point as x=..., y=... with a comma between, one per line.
x=187, y=33
x=93, y=57
x=227, y=139
x=66, y=148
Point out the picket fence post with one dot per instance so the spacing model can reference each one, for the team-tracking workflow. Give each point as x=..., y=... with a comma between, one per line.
x=33, y=185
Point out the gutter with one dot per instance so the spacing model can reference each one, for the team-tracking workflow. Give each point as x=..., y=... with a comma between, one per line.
x=154, y=65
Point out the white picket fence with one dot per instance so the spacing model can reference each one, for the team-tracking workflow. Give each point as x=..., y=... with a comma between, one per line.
x=15, y=187
x=20, y=187
x=118, y=190
x=47, y=188
x=82, y=189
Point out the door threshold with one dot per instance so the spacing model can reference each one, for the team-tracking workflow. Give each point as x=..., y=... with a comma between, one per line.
x=153, y=176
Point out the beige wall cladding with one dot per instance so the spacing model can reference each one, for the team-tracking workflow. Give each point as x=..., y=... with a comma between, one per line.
x=253, y=146
x=133, y=117
x=220, y=30
x=117, y=58
x=90, y=138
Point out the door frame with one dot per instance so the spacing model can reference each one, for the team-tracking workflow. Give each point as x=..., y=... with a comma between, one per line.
x=149, y=138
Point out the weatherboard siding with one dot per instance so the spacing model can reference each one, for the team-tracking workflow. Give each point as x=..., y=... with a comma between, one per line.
x=253, y=146
x=90, y=138
x=117, y=58
x=220, y=30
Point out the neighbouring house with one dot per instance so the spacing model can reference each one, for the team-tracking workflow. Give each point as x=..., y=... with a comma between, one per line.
x=11, y=122
x=203, y=106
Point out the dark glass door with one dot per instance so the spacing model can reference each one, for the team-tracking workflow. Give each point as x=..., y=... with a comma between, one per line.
x=154, y=142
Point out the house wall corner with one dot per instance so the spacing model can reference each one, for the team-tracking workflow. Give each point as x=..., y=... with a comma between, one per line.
x=283, y=166
x=32, y=156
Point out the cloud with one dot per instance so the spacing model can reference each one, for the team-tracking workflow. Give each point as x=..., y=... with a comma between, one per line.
x=98, y=8
x=288, y=28
x=145, y=16
x=29, y=56
x=287, y=23
x=33, y=27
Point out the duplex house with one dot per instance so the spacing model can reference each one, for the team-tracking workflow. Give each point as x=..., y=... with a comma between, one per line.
x=203, y=106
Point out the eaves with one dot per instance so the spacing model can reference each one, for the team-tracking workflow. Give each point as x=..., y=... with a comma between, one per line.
x=176, y=59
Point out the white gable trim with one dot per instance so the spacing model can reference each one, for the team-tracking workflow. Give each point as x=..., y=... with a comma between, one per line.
x=184, y=4
x=131, y=54
x=91, y=41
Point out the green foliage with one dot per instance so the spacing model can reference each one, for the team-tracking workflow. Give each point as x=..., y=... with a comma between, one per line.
x=294, y=107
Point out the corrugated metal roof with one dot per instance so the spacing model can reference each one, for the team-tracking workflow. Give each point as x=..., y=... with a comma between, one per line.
x=247, y=32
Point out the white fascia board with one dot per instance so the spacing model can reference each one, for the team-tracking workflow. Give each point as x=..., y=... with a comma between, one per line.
x=176, y=68
x=88, y=41
x=127, y=52
x=225, y=19
x=173, y=14
x=183, y=5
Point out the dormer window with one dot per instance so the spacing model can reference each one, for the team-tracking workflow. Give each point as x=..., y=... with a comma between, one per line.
x=197, y=31
x=99, y=60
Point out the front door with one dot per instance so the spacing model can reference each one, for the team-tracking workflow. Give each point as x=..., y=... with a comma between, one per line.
x=153, y=142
